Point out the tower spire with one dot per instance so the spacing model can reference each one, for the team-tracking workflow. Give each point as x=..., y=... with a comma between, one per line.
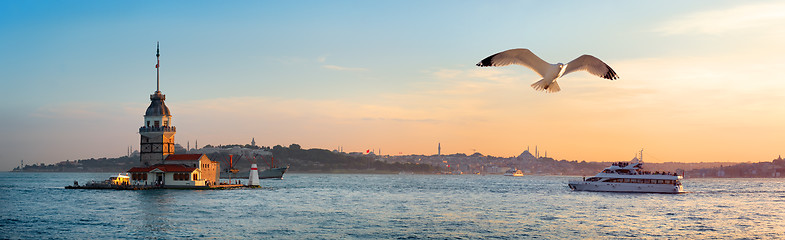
x=157, y=64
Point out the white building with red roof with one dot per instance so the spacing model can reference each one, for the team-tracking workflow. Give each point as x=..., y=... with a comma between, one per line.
x=178, y=170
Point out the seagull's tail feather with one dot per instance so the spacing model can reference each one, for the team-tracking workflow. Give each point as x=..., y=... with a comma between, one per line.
x=546, y=85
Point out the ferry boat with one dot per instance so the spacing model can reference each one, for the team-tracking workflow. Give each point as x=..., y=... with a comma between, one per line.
x=630, y=177
x=514, y=173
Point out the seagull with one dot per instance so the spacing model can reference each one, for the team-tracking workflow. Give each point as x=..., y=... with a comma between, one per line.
x=549, y=72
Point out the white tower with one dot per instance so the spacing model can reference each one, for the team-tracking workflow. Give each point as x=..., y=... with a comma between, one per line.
x=253, y=178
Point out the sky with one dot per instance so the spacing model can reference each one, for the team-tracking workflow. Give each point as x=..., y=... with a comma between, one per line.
x=700, y=81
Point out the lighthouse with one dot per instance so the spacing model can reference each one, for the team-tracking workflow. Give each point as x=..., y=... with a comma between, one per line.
x=157, y=132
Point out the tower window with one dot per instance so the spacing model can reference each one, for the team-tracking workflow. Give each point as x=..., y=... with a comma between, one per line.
x=157, y=123
x=148, y=123
x=165, y=123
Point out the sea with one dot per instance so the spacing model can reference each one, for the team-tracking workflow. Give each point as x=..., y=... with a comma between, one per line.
x=370, y=206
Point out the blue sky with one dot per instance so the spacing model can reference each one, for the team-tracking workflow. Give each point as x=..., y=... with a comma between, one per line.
x=699, y=79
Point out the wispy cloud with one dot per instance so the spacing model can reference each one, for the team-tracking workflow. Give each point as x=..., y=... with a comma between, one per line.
x=473, y=81
x=86, y=110
x=340, y=68
x=721, y=21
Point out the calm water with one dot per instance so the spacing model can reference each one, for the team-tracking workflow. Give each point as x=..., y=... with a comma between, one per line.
x=325, y=206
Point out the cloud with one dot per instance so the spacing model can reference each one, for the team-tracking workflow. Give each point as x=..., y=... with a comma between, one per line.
x=85, y=110
x=474, y=81
x=339, y=68
x=722, y=21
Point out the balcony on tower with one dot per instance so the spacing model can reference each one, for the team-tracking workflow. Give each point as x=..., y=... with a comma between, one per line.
x=157, y=129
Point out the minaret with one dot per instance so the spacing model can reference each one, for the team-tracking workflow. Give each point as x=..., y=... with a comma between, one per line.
x=439, y=149
x=253, y=142
x=157, y=132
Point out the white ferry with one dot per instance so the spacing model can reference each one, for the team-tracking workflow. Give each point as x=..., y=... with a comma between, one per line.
x=630, y=177
x=514, y=173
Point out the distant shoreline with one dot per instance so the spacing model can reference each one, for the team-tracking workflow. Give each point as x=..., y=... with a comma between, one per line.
x=348, y=172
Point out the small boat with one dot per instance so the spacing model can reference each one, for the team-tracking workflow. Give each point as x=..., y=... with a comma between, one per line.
x=121, y=181
x=514, y=173
x=630, y=177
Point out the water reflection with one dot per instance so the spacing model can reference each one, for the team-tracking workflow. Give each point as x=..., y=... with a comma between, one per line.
x=154, y=208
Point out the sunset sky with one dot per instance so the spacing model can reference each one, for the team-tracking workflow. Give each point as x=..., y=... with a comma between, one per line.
x=700, y=81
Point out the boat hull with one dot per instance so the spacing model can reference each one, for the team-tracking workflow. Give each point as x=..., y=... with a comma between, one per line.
x=625, y=187
x=273, y=173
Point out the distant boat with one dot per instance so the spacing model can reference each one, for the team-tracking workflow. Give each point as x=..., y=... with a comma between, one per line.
x=273, y=173
x=514, y=173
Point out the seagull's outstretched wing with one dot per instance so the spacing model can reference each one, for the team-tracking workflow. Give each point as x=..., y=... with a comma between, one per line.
x=520, y=56
x=592, y=65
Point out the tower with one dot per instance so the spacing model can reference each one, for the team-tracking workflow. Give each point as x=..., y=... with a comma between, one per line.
x=439, y=150
x=253, y=142
x=157, y=132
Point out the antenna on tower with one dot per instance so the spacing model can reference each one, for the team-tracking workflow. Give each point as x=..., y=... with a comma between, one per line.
x=157, y=64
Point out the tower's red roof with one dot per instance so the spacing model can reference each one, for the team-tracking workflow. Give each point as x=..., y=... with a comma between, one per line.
x=164, y=167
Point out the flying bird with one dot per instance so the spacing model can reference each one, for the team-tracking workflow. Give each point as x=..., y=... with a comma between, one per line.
x=549, y=72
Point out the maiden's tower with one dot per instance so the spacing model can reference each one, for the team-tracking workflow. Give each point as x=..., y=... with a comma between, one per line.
x=159, y=163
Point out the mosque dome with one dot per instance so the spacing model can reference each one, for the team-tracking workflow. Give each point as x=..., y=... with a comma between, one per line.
x=157, y=106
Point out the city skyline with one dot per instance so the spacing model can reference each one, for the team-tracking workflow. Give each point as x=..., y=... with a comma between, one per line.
x=699, y=81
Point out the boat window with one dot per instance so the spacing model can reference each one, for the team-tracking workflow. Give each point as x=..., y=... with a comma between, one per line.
x=593, y=179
